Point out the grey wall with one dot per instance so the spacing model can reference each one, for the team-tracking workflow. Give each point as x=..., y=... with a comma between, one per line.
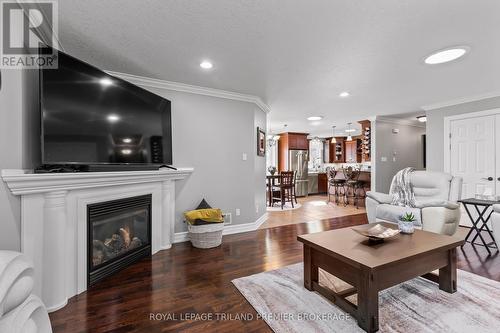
x=435, y=127
x=407, y=144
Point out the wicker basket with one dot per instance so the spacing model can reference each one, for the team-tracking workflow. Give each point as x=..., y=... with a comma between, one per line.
x=206, y=236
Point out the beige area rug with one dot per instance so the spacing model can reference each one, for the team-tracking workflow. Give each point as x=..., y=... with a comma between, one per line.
x=414, y=306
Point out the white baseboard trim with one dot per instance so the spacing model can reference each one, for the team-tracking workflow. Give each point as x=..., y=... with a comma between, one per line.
x=180, y=237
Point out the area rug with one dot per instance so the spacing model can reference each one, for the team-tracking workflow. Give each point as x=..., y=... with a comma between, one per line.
x=287, y=206
x=418, y=305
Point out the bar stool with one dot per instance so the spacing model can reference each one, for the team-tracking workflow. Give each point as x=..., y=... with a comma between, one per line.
x=337, y=184
x=354, y=185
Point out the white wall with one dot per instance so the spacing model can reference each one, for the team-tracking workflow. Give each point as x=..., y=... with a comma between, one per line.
x=407, y=146
x=11, y=157
x=435, y=127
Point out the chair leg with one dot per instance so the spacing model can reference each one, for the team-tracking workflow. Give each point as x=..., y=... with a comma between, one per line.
x=291, y=196
x=282, y=198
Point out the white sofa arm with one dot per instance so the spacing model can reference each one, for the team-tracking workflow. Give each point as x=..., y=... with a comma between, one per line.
x=16, y=280
x=381, y=198
x=440, y=220
x=437, y=203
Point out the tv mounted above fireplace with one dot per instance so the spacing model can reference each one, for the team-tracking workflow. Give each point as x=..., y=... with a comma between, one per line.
x=91, y=120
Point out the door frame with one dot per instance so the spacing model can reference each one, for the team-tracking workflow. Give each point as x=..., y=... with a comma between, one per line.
x=447, y=129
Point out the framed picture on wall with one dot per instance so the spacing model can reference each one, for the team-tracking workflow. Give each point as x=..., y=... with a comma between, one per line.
x=261, y=142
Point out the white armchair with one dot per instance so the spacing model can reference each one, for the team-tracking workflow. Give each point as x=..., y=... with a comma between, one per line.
x=20, y=310
x=495, y=224
x=436, y=196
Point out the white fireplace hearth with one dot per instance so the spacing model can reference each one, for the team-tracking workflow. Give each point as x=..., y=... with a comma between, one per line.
x=54, y=220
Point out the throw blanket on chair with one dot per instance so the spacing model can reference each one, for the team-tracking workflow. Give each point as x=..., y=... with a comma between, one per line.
x=401, y=189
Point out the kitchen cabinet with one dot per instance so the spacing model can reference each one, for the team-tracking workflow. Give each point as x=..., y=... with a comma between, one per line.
x=350, y=151
x=353, y=151
x=290, y=141
x=322, y=183
x=337, y=150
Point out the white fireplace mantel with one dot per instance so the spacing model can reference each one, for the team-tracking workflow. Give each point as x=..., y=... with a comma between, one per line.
x=54, y=220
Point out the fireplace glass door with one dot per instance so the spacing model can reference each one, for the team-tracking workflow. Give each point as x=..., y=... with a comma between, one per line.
x=119, y=233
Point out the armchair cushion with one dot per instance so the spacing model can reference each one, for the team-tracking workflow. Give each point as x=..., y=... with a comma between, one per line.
x=436, y=203
x=379, y=197
x=392, y=213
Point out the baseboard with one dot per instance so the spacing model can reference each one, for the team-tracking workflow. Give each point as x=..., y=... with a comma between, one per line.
x=180, y=237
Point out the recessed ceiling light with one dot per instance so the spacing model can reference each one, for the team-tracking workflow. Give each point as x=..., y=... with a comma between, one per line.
x=127, y=140
x=446, y=55
x=314, y=118
x=422, y=119
x=106, y=81
x=206, y=65
x=344, y=94
x=126, y=151
x=113, y=118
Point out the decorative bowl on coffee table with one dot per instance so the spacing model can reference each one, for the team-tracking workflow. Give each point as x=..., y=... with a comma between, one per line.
x=378, y=233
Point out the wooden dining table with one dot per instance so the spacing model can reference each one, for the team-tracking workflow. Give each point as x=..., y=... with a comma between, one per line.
x=271, y=182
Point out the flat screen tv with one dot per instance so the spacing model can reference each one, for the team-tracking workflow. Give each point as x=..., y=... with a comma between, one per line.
x=89, y=117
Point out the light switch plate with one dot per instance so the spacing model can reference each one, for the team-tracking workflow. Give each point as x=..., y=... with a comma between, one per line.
x=244, y=157
x=238, y=212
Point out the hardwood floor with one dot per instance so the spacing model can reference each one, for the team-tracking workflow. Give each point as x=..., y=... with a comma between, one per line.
x=185, y=280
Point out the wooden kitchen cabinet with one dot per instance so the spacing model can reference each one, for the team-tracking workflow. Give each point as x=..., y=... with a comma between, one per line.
x=353, y=153
x=337, y=150
x=322, y=183
x=290, y=141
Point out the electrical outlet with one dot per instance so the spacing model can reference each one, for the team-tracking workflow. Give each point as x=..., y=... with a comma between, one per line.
x=238, y=212
x=228, y=218
x=256, y=208
x=244, y=156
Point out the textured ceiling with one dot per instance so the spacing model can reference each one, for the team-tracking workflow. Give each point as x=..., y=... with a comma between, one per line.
x=297, y=55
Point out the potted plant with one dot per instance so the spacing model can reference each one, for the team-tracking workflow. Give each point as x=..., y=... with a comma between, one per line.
x=406, y=223
x=272, y=170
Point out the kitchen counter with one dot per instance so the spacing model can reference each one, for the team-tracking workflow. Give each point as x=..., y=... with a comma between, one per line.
x=318, y=181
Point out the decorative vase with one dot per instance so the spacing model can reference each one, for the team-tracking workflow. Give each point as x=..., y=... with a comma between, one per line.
x=272, y=170
x=406, y=227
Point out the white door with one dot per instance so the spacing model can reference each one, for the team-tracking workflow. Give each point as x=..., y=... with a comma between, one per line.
x=473, y=154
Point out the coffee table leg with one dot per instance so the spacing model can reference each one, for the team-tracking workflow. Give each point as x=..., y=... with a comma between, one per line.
x=448, y=274
x=367, y=303
x=310, y=271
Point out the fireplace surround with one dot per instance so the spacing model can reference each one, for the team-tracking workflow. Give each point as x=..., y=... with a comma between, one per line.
x=54, y=226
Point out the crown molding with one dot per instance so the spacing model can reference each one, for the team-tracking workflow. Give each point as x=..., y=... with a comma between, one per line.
x=182, y=87
x=398, y=121
x=461, y=101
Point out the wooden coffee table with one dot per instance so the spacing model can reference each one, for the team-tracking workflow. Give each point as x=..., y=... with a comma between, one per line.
x=371, y=268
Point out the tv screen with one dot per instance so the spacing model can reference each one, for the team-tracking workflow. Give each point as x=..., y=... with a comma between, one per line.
x=89, y=117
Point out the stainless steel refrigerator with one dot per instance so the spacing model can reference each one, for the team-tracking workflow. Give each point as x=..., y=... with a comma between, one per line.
x=297, y=161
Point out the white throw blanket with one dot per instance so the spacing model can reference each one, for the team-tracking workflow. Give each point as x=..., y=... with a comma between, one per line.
x=401, y=189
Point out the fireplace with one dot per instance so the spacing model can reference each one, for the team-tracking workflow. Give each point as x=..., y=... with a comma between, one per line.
x=119, y=234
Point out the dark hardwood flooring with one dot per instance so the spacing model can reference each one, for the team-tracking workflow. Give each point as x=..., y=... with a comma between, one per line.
x=185, y=280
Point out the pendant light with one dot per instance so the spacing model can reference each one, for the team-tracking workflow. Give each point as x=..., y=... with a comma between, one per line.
x=333, y=137
x=349, y=130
